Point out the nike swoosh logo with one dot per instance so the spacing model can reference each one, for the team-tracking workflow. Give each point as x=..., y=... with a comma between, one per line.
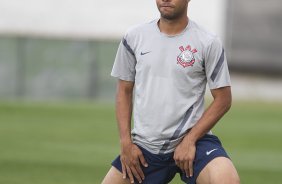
x=209, y=152
x=143, y=53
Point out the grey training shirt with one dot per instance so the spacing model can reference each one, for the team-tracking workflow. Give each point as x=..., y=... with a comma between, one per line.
x=170, y=75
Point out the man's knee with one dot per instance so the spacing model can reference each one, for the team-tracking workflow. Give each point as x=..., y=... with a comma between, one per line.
x=219, y=171
x=114, y=176
x=227, y=177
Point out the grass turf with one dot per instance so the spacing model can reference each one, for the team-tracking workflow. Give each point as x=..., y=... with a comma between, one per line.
x=74, y=143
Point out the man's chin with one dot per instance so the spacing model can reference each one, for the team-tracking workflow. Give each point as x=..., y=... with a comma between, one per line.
x=168, y=16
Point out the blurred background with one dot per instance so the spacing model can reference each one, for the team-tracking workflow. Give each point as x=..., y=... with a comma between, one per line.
x=57, y=122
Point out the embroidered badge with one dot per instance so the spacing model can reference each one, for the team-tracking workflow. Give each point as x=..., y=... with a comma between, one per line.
x=186, y=57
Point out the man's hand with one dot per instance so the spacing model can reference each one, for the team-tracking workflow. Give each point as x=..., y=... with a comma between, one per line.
x=130, y=157
x=185, y=152
x=184, y=156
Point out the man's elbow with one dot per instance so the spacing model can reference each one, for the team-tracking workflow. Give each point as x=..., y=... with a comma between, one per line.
x=228, y=103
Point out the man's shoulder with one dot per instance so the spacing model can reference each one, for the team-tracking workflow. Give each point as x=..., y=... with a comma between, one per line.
x=205, y=35
x=138, y=29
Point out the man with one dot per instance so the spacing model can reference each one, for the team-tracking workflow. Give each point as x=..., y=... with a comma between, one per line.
x=167, y=64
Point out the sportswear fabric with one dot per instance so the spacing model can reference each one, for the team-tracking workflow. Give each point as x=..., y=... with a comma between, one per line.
x=162, y=168
x=170, y=74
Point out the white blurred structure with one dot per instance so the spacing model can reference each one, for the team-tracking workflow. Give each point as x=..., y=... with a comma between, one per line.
x=95, y=18
x=256, y=87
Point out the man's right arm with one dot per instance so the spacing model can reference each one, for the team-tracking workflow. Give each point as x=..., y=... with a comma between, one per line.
x=131, y=155
x=124, y=109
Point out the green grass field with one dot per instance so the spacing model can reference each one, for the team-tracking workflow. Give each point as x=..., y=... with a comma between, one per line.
x=74, y=143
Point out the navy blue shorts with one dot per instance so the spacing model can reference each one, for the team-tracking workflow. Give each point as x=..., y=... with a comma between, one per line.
x=162, y=167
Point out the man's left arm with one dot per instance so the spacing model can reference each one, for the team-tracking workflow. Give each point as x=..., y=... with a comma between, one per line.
x=185, y=152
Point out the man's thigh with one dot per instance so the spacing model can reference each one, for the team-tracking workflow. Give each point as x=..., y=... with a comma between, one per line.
x=219, y=171
x=114, y=176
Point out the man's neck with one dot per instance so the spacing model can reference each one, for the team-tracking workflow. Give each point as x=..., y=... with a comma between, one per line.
x=173, y=27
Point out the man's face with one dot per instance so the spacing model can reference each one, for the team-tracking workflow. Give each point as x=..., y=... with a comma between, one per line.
x=172, y=9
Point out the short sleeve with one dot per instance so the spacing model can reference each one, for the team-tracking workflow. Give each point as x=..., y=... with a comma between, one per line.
x=216, y=66
x=125, y=61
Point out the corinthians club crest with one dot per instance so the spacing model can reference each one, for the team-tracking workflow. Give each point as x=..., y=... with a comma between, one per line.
x=186, y=57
